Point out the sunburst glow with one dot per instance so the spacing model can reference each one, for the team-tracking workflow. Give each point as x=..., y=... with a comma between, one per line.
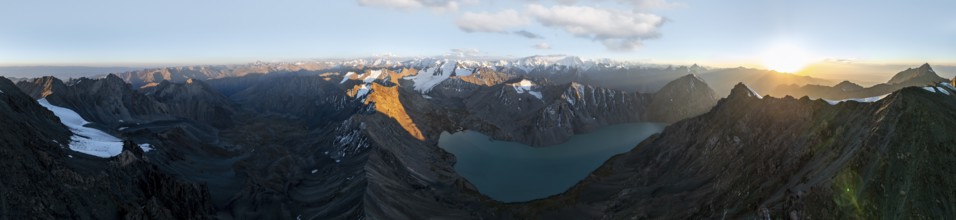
x=786, y=58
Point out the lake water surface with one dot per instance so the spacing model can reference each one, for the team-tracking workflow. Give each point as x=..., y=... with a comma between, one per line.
x=514, y=172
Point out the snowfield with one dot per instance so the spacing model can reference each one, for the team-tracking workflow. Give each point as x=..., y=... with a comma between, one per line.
x=526, y=86
x=372, y=76
x=85, y=140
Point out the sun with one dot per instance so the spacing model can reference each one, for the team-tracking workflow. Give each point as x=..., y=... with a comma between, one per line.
x=786, y=58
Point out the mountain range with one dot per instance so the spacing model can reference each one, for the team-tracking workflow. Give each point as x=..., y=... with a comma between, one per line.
x=354, y=139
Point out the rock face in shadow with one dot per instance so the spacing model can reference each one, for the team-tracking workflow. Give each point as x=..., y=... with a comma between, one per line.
x=194, y=100
x=314, y=99
x=108, y=101
x=781, y=158
x=43, y=179
x=549, y=114
x=682, y=98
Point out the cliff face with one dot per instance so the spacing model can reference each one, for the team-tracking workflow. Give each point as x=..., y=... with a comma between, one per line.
x=682, y=98
x=42, y=179
x=541, y=115
x=782, y=158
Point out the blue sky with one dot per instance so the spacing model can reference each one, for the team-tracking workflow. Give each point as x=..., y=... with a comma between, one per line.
x=722, y=33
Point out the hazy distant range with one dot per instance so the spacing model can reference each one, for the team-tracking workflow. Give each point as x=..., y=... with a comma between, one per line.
x=59, y=71
x=863, y=74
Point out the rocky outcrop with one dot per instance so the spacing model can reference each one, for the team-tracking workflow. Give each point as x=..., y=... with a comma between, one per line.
x=682, y=98
x=43, y=179
x=781, y=158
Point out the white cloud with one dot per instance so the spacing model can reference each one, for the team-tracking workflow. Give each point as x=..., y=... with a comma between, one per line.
x=639, y=5
x=616, y=29
x=463, y=52
x=542, y=46
x=437, y=5
x=528, y=34
x=497, y=22
x=651, y=4
x=402, y=4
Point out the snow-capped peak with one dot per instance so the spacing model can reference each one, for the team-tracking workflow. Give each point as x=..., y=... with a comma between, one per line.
x=439, y=70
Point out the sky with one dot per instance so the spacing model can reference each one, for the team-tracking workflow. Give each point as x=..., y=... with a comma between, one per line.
x=717, y=33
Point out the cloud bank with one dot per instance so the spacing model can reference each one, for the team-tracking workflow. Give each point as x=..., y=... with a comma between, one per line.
x=616, y=29
x=437, y=5
x=498, y=22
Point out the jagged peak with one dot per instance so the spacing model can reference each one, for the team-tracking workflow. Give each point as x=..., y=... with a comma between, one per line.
x=846, y=82
x=742, y=90
x=692, y=77
x=114, y=78
x=846, y=85
x=47, y=80
x=923, y=73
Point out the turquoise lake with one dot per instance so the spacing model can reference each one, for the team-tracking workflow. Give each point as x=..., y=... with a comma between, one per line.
x=514, y=172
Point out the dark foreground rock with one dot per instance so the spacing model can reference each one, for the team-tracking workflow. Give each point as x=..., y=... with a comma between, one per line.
x=43, y=179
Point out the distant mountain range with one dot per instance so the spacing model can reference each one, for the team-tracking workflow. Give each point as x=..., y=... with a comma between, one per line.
x=64, y=72
x=921, y=76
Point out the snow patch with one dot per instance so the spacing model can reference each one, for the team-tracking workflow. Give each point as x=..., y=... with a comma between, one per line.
x=868, y=99
x=372, y=76
x=146, y=147
x=947, y=85
x=85, y=140
x=942, y=90
x=753, y=93
x=526, y=86
x=364, y=90
x=347, y=77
